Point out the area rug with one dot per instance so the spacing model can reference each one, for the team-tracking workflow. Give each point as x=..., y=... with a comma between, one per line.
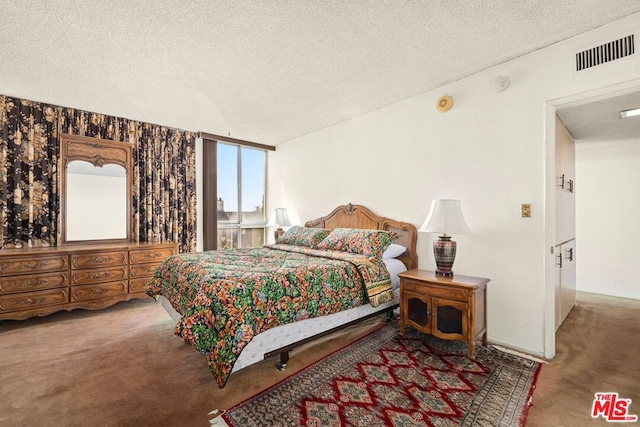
x=384, y=379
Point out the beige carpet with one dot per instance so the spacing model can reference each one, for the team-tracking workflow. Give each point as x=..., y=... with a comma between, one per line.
x=597, y=350
x=124, y=367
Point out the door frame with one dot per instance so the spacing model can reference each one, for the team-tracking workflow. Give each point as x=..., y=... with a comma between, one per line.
x=551, y=106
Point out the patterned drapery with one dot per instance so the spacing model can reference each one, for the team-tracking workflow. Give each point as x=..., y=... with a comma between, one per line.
x=163, y=204
x=164, y=190
x=28, y=181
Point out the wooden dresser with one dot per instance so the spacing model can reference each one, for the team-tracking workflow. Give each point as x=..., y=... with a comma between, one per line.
x=40, y=281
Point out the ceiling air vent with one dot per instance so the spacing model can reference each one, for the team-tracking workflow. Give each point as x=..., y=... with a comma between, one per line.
x=605, y=53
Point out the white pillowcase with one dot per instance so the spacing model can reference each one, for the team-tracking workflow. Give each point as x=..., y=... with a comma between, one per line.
x=393, y=251
x=394, y=267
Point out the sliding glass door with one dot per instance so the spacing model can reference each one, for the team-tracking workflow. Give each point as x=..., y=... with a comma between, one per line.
x=241, y=184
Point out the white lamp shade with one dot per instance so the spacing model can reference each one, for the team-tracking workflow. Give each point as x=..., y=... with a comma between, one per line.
x=279, y=218
x=445, y=217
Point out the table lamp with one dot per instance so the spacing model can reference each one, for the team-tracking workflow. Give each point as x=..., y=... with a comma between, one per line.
x=445, y=217
x=279, y=219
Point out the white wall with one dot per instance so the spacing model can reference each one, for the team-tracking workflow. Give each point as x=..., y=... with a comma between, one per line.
x=490, y=151
x=607, y=225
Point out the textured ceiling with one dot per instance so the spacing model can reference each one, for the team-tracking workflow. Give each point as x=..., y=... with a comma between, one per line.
x=267, y=70
x=600, y=121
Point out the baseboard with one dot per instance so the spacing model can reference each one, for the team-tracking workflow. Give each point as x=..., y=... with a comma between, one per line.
x=610, y=294
x=514, y=348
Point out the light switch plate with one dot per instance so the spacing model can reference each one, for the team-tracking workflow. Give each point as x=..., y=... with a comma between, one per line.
x=525, y=210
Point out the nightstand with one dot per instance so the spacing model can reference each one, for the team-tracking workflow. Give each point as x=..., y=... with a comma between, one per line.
x=451, y=308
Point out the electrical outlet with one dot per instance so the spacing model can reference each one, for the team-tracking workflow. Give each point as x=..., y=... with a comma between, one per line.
x=525, y=210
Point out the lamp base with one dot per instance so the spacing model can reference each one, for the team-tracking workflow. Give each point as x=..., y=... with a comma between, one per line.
x=444, y=252
x=444, y=273
x=278, y=233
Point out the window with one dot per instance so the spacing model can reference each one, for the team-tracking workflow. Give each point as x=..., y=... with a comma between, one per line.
x=233, y=192
x=240, y=210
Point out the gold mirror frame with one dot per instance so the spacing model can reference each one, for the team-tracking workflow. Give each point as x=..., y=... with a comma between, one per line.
x=98, y=152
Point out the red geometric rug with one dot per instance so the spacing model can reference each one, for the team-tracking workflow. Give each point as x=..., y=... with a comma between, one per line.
x=384, y=379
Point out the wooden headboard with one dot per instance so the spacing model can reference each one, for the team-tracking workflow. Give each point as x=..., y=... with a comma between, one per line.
x=357, y=216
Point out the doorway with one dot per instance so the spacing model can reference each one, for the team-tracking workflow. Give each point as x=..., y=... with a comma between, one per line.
x=593, y=101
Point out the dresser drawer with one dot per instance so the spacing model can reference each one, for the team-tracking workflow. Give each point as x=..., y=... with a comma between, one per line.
x=140, y=256
x=138, y=285
x=83, y=293
x=34, y=282
x=29, y=300
x=143, y=270
x=29, y=265
x=103, y=259
x=99, y=275
x=433, y=290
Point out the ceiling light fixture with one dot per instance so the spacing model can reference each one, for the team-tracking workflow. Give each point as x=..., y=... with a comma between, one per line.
x=630, y=113
x=444, y=103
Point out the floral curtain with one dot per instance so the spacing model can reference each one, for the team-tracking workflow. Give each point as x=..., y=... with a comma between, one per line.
x=28, y=181
x=164, y=205
x=164, y=193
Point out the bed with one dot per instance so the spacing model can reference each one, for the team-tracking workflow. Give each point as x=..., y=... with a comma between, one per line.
x=238, y=307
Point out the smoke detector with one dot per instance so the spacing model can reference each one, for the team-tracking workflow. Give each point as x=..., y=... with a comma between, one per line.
x=500, y=84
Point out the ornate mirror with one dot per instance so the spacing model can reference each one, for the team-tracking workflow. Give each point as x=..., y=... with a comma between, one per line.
x=95, y=190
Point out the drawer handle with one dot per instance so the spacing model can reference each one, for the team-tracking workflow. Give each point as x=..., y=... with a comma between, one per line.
x=99, y=275
x=153, y=255
x=97, y=260
x=27, y=301
x=96, y=291
x=39, y=282
x=35, y=264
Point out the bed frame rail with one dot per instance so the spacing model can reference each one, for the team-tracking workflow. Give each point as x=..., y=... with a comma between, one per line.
x=284, y=351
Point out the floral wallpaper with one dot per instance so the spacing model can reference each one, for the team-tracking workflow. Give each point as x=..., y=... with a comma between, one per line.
x=163, y=205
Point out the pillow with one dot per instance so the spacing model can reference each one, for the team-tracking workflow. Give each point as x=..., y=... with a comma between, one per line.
x=394, y=267
x=393, y=251
x=370, y=243
x=302, y=236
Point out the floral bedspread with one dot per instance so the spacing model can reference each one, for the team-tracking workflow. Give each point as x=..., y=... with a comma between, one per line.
x=227, y=297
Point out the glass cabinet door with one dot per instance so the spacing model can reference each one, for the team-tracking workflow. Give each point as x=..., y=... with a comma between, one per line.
x=449, y=319
x=419, y=311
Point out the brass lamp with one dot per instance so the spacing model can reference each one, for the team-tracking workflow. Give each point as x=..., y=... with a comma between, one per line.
x=279, y=218
x=445, y=217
